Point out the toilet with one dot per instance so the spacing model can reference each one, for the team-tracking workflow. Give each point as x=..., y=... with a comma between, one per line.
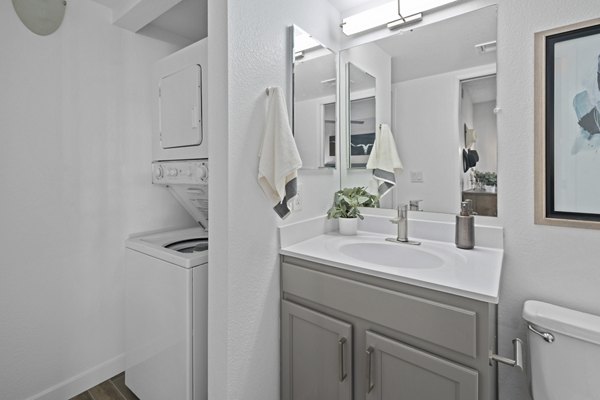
x=564, y=352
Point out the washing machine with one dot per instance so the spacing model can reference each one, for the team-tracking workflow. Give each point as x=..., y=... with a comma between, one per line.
x=166, y=310
x=166, y=271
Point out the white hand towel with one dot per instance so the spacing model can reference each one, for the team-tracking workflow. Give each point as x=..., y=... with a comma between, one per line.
x=279, y=158
x=384, y=159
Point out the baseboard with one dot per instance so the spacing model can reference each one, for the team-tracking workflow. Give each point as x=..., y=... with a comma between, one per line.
x=83, y=381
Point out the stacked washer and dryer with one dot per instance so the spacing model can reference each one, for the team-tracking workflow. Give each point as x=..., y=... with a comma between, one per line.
x=167, y=270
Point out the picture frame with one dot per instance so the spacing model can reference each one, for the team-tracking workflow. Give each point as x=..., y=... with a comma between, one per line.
x=567, y=126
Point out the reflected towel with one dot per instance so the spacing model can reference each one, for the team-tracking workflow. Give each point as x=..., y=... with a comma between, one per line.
x=279, y=158
x=384, y=160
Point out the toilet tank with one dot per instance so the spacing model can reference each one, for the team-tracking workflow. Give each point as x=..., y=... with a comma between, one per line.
x=569, y=366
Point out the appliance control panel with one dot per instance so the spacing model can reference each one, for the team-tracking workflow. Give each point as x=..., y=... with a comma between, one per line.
x=180, y=172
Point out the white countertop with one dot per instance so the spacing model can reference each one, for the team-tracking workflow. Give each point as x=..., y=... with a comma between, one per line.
x=472, y=273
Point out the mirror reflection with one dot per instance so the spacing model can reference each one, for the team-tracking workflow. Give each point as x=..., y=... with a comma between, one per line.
x=479, y=141
x=315, y=101
x=361, y=115
x=431, y=68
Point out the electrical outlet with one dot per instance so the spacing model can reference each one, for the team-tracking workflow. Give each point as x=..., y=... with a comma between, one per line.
x=416, y=176
x=297, y=203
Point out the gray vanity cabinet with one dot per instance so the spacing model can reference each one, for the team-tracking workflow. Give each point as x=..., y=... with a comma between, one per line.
x=316, y=356
x=400, y=372
x=348, y=335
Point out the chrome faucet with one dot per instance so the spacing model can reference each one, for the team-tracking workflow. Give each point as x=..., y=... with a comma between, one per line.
x=414, y=205
x=402, y=222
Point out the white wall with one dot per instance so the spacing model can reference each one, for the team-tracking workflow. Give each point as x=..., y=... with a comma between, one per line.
x=74, y=172
x=484, y=121
x=558, y=265
x=248, y=52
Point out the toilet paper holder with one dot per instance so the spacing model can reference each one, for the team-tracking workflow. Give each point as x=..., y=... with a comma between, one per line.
x=518, y=355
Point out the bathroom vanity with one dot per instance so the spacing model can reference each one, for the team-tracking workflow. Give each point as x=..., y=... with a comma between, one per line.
x=355, y=329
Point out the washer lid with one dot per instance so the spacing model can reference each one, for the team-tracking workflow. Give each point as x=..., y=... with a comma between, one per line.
x=155, y=243
x=192, y=245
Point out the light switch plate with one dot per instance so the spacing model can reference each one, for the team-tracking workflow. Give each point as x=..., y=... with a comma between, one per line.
x=416, y=176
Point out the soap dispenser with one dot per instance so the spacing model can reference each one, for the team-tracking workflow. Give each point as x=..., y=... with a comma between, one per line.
x=465, y=227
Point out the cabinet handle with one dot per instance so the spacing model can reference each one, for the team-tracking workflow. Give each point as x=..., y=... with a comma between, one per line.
x=370, y=383
x=343, y=373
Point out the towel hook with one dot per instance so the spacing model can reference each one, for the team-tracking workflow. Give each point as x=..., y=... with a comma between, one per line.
x=268, y=90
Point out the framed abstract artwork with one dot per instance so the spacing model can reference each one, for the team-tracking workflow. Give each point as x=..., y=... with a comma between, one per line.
x=567, y=126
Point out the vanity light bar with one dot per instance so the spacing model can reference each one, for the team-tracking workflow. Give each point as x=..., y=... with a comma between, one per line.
x=371, y=18
x=402, y=22
x=409, y=8
x=486, y=47
x=393, y=14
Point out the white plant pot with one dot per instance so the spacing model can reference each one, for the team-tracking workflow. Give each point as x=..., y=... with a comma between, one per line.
x=348, y=226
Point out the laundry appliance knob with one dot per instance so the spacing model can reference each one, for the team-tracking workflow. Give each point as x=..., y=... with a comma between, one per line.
x=158, y=171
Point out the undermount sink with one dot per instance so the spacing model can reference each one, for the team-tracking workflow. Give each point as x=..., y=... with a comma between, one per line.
x=392, y=255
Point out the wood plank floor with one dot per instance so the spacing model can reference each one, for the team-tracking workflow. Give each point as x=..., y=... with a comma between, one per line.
x=111, y=389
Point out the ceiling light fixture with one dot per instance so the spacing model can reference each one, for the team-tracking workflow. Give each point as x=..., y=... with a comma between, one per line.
x=394, y=14
x=486, y=47
x=402, y=22
x=371, y=18
x=408, y=8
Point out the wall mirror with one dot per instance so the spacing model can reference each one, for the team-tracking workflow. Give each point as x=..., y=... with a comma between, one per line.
x=360, y=123
x=314, y=111
x=435, y=87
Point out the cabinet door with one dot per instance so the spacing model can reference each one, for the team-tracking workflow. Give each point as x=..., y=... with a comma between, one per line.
x=316, y=355
x=396, y=371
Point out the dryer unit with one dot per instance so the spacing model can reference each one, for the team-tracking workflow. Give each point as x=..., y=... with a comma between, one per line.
x=179, y=127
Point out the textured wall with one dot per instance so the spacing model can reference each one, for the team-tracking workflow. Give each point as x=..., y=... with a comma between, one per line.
x=246, y=329
x=74, y=172
x=558, y=265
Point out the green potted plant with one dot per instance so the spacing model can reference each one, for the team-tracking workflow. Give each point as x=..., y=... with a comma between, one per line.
x=491, y=180
x=483, y=179
x=345, y=208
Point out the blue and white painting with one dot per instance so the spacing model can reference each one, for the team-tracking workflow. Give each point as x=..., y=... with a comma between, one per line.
x=577, y=125
x=586, y=105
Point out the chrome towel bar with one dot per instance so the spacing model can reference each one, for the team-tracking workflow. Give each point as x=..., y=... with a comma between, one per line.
x=518, y=355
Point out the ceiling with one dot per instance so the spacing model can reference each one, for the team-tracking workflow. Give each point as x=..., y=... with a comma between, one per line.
x=184, y=23
x=344, y=6
x=188, y=19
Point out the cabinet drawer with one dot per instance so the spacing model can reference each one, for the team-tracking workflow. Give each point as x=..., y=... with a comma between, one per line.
x=444, y=325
